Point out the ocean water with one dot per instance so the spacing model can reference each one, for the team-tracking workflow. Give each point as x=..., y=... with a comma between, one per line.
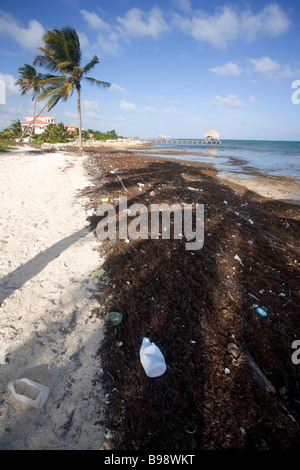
x=242, y=158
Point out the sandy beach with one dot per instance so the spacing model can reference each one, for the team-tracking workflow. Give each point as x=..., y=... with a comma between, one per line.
x=47, y=331
x=230, y=382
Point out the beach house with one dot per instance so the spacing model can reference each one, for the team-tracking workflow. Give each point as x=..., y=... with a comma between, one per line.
x=40, y=123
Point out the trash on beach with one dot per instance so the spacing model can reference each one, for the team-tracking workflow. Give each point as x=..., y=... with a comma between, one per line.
x=29, y=392
x=114, y=317
x=98, y=273
x=152, y=359
x=91, y=212
x=105, y=199
x=152, y=193
x=238, y=259
x=262, y=312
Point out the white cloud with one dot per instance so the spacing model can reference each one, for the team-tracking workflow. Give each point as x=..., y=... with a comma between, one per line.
x=137, y=23
x=10, y=87
x=252, y=99
x=107, y=40
x=30, y=37
x=271, y=22
x=171, y=111
x=227, y=69
x=265, y=65
x=94, y=21
x=115, y=87
x=184, y=5
x=229, y=101
x=272, y=69
x=217, y=29
x=109, y=43
x=152, y=110
x=229, y=24
x=90, y=105
x=127, y=106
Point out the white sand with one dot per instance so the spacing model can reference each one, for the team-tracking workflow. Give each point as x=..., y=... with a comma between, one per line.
x=47, y=332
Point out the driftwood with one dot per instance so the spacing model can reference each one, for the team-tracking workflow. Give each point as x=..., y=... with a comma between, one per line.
x=259, y=377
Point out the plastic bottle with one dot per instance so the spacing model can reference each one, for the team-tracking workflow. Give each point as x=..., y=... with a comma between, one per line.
x=152, y=359
x=29, y=392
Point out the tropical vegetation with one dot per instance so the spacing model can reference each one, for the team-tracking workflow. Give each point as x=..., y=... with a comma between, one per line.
x=53, y=133
x=9, y=135
x=61, y=55
x=30, y=80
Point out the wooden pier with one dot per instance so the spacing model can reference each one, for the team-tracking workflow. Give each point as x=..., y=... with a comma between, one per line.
x=183, y=141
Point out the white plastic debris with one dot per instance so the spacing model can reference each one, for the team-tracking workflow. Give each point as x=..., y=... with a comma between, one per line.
x=29, y=392
x=91, y=212
x=152, y=359
x=238, y=259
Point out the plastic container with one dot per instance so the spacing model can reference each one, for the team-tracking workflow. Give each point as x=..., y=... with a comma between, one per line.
x=114, y=317
x=29, y=392
x=152, y=359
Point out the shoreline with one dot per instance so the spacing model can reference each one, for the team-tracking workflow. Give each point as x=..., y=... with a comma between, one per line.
x=227, y=367
x=282, y=188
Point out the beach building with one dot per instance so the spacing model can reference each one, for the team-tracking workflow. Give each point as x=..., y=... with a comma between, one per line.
x=42, y=121
x=212, y=137
x=71, y=127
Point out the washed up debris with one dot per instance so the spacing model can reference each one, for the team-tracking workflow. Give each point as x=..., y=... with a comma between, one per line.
x=123, y=186
x=29, y=392
x=259, y=378
x=261, y=312
x=114, y=317
x=152, y=359
x=152, y=193
x=105, y=199
x=91, y=212
x=98, y=273
x=238, y=259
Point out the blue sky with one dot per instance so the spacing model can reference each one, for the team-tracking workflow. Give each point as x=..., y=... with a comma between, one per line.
x=177, y=67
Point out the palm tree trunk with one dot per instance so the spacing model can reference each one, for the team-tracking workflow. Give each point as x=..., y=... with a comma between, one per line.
x=35, y=97
x=34, y=118
x=79, y=118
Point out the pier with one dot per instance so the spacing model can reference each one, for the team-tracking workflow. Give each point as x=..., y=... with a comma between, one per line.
x=183, y=141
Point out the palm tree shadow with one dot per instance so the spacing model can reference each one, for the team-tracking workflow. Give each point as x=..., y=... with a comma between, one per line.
x=17, y=278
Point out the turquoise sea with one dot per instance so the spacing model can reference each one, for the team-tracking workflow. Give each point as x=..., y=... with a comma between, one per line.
x=242, y=158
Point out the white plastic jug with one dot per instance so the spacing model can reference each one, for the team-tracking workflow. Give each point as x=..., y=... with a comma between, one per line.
x=29, y=392
x=152, y=359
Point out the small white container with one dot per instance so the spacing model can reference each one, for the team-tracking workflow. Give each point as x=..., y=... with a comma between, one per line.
x=152, y=359
x=29, y=392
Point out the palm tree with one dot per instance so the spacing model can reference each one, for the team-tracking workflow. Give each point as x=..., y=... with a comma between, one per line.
x=30, y=80
x=62, y=55
x=14, y=130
